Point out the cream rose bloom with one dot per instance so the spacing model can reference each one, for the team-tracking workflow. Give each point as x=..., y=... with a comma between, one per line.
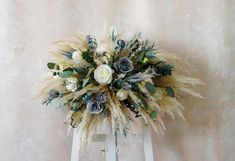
x=103, y=74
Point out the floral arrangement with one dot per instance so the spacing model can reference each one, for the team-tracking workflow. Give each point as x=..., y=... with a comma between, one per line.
x=116, y=80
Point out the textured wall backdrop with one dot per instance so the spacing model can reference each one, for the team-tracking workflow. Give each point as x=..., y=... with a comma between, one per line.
x=202, y=31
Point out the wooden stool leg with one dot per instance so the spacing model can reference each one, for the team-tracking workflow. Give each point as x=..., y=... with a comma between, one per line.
x=75, y=153
x=111, y=153
x=111, y=148
x=148, y=148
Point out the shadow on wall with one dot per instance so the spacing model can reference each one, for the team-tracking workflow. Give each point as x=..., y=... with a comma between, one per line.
x=192, y=138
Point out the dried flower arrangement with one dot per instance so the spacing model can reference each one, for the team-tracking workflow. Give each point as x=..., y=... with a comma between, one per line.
x=114, y=80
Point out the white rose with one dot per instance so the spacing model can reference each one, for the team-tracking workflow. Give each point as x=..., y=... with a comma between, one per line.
x=103, y=74
x=71, y=84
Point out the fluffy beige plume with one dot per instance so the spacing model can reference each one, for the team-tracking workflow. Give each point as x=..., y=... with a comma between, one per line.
x=171, y=106
x=157, y=125
x=117, y=116
x=74, y=42
x=83, y=130
x=50, y=83
x=87, y=88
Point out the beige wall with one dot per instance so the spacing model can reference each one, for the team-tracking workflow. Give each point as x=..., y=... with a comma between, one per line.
x=202, y=31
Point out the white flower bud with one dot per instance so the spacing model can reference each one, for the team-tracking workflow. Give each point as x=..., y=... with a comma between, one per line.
x=122, y=94
x=71, y=84
x=101, y=49
x=78, y=59
x=77, y=55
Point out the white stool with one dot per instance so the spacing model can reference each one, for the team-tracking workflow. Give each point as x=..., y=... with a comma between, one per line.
x=110, y=140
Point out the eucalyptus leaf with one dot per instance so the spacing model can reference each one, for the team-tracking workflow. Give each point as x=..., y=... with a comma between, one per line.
x=145, y=104
x=66, y=73
x=150, y=87
x=80, y=70
x=153, y=115
x=88, y=58
x=163, y=68
x=51, y=65
x=68, y=69
x=170, y=92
